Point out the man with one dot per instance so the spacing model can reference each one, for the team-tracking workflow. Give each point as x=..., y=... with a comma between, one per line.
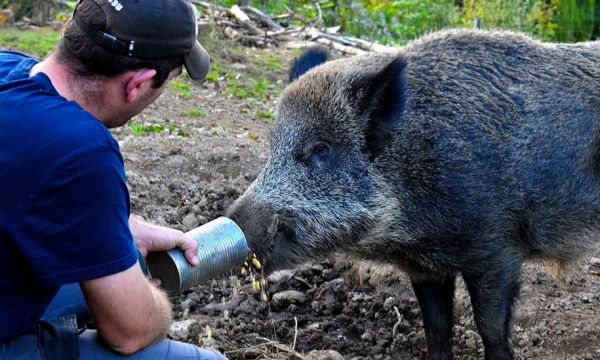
x=67, y=243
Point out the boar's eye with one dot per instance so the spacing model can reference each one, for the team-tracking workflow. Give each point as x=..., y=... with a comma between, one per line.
x=320, y=152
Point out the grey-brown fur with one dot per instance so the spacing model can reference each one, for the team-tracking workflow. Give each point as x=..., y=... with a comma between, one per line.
x=466, y=153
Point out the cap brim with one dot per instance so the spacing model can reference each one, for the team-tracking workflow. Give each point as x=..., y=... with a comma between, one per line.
x=197, y=62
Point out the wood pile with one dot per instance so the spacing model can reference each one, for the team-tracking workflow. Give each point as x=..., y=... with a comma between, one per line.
x=253, y=27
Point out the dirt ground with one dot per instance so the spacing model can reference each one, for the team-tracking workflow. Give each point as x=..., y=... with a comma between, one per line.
x=189, y=175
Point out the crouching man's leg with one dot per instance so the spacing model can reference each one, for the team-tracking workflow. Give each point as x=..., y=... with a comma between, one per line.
x=92, y=348
x=59, y=335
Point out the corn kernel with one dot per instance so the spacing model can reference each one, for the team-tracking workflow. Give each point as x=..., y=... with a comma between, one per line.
x=256, y=263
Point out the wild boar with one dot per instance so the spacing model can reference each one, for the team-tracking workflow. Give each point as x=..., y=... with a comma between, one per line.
x=466, y=153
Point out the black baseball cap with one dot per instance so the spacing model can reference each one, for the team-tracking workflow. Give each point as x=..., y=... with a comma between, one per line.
x=149, y=29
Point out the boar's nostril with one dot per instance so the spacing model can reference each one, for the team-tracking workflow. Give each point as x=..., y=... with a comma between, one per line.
x=285, y=227
x=281, y=226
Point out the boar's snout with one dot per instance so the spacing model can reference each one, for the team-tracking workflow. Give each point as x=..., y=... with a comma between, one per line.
x=265, y=230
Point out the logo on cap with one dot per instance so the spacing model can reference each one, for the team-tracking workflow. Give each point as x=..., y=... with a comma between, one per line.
x=115, y=4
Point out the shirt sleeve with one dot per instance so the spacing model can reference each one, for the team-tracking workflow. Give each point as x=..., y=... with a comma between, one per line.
x=76, y=227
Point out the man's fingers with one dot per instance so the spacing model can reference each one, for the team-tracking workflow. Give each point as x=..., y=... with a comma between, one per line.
x=189, y=247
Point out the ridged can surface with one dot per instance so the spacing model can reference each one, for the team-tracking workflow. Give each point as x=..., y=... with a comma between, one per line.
x=222, y=246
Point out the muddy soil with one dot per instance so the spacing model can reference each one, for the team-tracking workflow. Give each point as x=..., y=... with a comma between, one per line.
x=189, y=175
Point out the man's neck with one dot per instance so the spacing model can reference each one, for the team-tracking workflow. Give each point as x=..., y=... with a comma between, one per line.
x=58, y=73
x=63, y=81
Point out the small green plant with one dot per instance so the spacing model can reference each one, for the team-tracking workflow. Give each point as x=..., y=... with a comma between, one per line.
x=250, y=88
x=196, y=112
x=217, y=71
x=265, y=115
x=139, y=129
x=271, y=62
x=37, y=42
x=184, y=89
x=218, y=130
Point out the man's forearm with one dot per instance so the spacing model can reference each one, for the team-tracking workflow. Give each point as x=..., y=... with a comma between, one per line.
x=129, y=312
x=162, y=316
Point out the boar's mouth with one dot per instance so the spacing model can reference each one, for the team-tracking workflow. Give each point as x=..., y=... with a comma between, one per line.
x=282, y=249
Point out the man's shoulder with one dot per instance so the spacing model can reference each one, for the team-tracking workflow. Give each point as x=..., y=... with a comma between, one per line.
x=54, y=134
x=9, y=60
x=45, y=121
x=11, y=56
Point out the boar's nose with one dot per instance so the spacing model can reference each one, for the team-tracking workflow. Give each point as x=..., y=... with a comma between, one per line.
x=258, y=222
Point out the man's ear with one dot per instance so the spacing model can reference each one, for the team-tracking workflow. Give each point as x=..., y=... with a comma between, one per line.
x=381, y=97
x=137, y=82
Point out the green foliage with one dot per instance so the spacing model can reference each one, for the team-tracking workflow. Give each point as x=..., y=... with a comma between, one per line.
x=249, y=88
x=139, y=129
x=217, y=71
x=36, y=41
x=398, y=21
x=184, y=89
x=271, y=62
x=21, y=7
x=265, y=115
x=508, y=14
x=575, y=19
x=196, y=112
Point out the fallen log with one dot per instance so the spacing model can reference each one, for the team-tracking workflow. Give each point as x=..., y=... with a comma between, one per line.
x=241, y=16
x=262, y=17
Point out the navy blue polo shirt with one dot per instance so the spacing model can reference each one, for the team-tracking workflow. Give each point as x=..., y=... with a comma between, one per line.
x=64, y=204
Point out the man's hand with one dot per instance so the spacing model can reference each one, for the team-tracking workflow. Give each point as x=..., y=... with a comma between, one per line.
x=149, y=237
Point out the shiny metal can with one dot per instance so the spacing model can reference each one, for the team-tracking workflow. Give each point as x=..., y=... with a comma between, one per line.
x=222, y=246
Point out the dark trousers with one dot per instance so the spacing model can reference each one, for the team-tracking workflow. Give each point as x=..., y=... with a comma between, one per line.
x=69, y=304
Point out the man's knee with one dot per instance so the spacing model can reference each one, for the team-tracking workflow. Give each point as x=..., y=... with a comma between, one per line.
x=91, y=348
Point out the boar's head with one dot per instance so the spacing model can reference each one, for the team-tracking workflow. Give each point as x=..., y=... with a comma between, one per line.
x=320, y=190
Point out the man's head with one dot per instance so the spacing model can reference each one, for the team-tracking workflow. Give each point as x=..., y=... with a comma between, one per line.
x=137, y=45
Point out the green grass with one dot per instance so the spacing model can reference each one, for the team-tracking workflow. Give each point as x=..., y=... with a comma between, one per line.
x=270, y=62
x=249, y=88
x=184, y=89
x=196, y=112
x=217, y=71
x=265, y=115
x=139, y=129
x=36, y=42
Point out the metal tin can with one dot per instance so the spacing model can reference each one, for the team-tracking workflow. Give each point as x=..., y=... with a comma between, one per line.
x=221, y=247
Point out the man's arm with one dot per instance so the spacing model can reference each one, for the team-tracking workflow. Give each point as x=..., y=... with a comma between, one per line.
x=129, y=312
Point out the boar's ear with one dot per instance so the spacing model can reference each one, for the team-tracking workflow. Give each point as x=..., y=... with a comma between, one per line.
x=308, y=60
x=382, y=97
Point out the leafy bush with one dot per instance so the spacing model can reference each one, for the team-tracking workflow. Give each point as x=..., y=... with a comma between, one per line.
x=399, y=21
x=21, y=7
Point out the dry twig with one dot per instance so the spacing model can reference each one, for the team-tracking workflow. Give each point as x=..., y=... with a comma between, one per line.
x=398, y=322
x=295, y=332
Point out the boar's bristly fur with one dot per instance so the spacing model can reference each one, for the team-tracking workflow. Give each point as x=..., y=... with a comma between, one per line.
x=466, y=153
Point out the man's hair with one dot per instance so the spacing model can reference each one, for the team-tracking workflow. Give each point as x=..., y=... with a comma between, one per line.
x=88, y=59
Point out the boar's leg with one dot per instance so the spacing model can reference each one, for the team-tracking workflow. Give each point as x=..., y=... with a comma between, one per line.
x=492, y=295
x=435, y=296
